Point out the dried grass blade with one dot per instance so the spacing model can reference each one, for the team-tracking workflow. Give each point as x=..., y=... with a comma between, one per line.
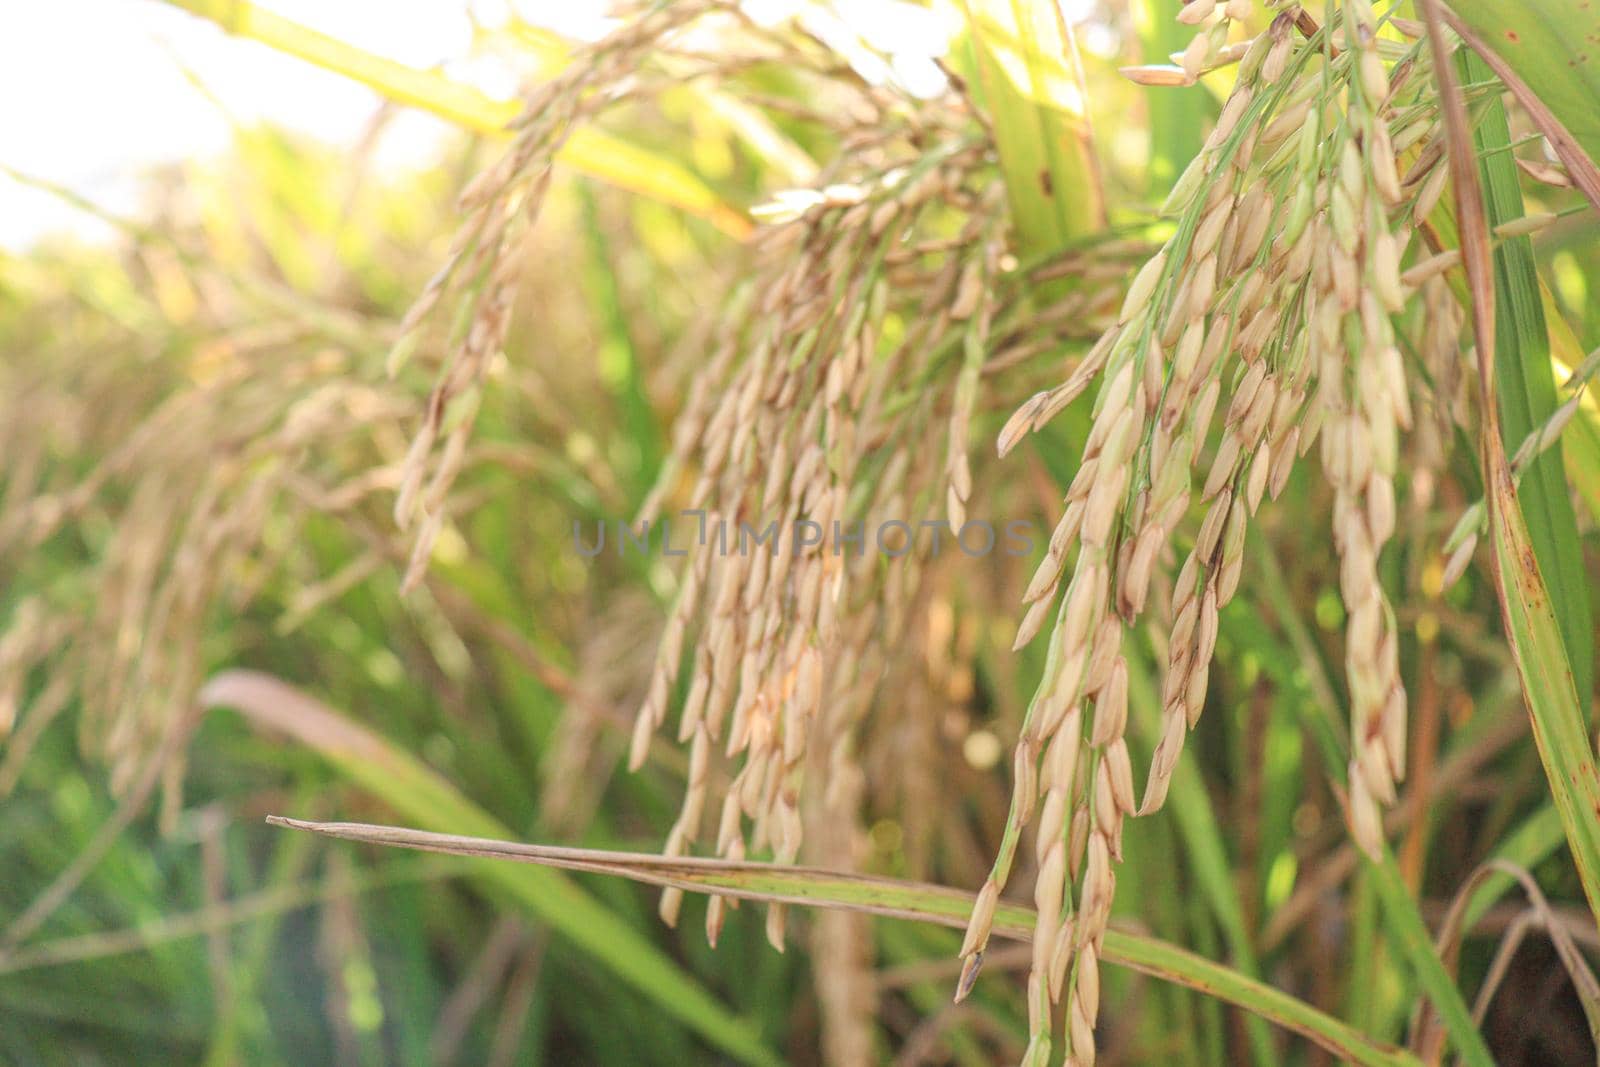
x=1455, y=927
x=1531, y=843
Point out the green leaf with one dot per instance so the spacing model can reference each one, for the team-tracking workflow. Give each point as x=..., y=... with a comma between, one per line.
x=620, y=367
x=1405, y=926
x=778, y=883
x=1558, y=724
x=416, y=792
x=1527, y=390
x=1399, y=913
x=1530, y=619
x=1026, y=82
x=1552, y=46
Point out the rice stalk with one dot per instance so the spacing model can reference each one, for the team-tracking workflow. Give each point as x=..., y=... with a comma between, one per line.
x=1273, y=304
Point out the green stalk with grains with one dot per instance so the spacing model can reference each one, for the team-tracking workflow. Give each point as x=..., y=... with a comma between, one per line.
x=1299, y=150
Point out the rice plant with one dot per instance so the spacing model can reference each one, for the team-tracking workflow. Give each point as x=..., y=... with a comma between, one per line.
x=708, y=475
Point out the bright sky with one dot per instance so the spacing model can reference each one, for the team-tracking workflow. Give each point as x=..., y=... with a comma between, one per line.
x=98, y=91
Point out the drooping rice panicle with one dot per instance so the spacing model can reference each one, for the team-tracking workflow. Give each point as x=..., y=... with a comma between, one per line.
x=1271, y=307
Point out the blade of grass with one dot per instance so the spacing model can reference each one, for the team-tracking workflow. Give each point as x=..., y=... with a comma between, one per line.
x=1029, y=87
x=1526, y=387
x=1552, y=700
x=241, y=911
x=414, y=790
x=1404, y=924
x=1213, y=1030
x=1367, y=964
x=619, y=362
x=1166, y=908
x=1544, y=54
x=235, y=1015
x=588, y=150
x=1525, y=605
x=883, y=896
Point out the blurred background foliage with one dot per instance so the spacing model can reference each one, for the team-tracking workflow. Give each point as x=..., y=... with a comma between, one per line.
x=201, y=446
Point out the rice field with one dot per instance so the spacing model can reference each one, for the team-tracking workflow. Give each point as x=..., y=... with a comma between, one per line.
x=1079, y=552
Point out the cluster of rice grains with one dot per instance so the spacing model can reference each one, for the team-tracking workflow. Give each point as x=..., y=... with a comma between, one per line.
x=481, y=267
x=833, y=408
x=1272, y=305
x=797, y=412
x=166, y=539
x=837, y=400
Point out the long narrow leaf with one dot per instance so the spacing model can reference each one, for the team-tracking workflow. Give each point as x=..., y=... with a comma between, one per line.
x=588, y=150
x=1525, y=606
x=1026, y=81
x=1527, y=392
x=1405, y=926
x=416, y=792
x=1545, y=52
x=1178, y=117
x=1400, y=915
x=1547, y=686
x=1201, y=833
x=778, y=883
